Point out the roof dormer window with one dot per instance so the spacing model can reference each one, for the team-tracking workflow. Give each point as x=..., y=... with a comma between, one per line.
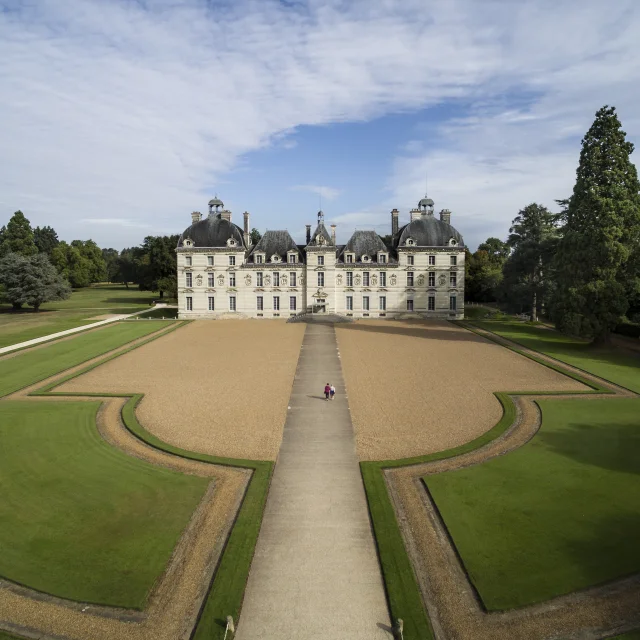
x=382, y=258
x=410, y=242
x=259, y=258
x=348, y=257
x=453, y=242
x=365, y=258
x=231, y=242
x=275, y=258
x=293, y=258
x=188, y=242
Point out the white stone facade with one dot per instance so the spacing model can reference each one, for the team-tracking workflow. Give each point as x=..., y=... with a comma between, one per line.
x=240, y=280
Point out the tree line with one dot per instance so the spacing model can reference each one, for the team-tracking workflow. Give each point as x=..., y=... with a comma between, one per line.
x=579, y=267
x=37, y=267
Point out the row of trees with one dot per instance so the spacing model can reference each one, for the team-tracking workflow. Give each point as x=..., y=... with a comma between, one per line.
x=579, y=267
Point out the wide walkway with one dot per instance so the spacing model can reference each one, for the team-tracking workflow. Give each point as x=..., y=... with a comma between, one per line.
x=315, y=574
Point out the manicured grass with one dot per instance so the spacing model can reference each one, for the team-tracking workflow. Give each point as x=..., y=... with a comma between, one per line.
x=79, y=310
x=557, y=515
x=29, y=367
x=80, y=519
x=162, y=312
x=608, y=363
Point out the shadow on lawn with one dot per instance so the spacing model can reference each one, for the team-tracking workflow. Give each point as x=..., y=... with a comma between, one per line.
x=416, y=329
x=615, y=447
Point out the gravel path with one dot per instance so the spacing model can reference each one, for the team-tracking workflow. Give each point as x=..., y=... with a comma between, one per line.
x=453, y=607
x=220, y=388
x=416, y=387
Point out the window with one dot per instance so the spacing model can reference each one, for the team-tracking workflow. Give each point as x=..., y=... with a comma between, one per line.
x=349, y=278
x=189, y=277
x=212, y=303
x=188, y=261
x=453, y=279
x=259, y=279
x=276, y=303
x=382, y=303
x=452, y=303
x=292, y=303
x=365, y=278
x=259, y=259
x=189, y=303
x=292, y=279
x=260, y=303
x=321, y=260
x=454, y=260
x=232, y=279
x=349, y=303
x=232, y=303
x=409, y=305
x=383, y=278
x=320, y=278
x=232, y=260
x=410, y=260
x=210, y=281
x=410, y=279
x=292, y=258
x=365, y=303
x=432, y=278
x=431, y=302
x=349, y=258
x=382, y=258
x=210, y=261
x=432, y=260
x=276, y=278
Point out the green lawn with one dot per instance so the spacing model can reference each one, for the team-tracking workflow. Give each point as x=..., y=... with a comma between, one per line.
x=30, y=367
x=79, y=310
x=557, y=515
x=163, y=312
x=611, y=364
x=78, y=518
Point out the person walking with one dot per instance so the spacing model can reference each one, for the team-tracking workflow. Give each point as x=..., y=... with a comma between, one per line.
x=332, y=392
x=327, y=391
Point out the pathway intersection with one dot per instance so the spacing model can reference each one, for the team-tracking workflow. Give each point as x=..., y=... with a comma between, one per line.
x=315, y=573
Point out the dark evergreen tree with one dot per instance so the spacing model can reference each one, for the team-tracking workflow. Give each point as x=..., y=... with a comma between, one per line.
x=255, y=236
x=18, y=237
x=110, y=257
x=46, y=239
x=596, y=262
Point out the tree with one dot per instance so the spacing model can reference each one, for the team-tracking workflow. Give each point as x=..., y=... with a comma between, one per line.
x=168, y=284
x=497, y=250
x=91, y=251
x=255, y=236
x=72, y=265
x=46, y=239
x=532, y=237
x=482, y=278
x=157, y=262
x=18, y=236
x=597, y=268
x=31, y=280
x=110, y=257
x=388, y=239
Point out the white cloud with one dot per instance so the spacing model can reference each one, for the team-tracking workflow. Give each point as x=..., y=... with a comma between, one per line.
x=328, y=193
x=118, y=222
x=114, y=109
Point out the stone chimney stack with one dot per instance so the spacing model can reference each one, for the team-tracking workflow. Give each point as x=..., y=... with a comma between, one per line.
x=445, y=216
x=225, y=214
x=247, y=236
x=308, y=233
x=415, y=214
x=394, y=221
x=196, y=216
x=333, y=234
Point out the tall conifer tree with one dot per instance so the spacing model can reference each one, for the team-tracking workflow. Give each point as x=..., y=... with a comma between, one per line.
x=601, y=232
x=18, y=236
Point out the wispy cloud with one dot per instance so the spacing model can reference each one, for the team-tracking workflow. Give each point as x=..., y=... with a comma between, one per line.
x=134, y=109
x=118, y=222
x=328, y=193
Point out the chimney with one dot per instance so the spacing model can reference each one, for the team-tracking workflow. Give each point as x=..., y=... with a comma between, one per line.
x=445, y=216
x=394, y=221
x=196, y=216
x=333, y=234
x=225, y=214
x=247, y=237
x=415, y=214
x=308, y=233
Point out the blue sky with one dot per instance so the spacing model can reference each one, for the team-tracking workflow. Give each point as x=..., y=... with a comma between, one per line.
x=119, y=118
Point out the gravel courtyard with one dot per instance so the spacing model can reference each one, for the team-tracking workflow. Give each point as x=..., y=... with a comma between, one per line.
x=419, y=387
x=219, y=387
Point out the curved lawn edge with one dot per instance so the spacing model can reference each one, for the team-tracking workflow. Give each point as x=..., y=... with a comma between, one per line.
x=401, y=586
x=228, y=583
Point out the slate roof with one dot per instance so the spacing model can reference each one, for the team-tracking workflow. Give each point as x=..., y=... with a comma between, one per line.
x=212, y=231
x=427, y=231
x=276, y=243
x=363, y=243
x=321, y=230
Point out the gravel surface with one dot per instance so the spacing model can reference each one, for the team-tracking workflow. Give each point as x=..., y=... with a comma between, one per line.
x=216, y=387
x=416, y=387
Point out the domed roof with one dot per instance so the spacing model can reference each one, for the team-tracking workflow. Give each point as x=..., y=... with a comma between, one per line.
x=425, y=202
x=213, y=231
x=427, y=231
x=216, y=202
